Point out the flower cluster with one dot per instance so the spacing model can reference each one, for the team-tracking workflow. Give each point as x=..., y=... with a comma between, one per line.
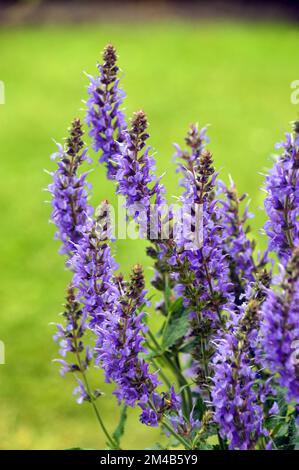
x=236, y=395
x=104, y=116
x=135, y=177
x=161, y=404
x=237, y=246
x=280, y=328
x=69, y=190
x=204, y=259
x=119, y=350
x=282, y=201
x=70, y=341
x=94, y=266
x=222, y=371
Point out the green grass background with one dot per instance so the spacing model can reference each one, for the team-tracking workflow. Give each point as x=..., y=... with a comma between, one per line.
x=235, y=77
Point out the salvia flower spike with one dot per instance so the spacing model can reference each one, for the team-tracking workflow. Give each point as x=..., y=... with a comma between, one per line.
x=280, y=328
x=135, y=176
x=94, y=268
x=237, y=397
x=104, y=115
x=237, y=245
x=69, y=189
x=282, y=201
x=70, y=337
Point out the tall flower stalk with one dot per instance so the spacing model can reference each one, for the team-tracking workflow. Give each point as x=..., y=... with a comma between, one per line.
x=104, y=115
x=236, y=394
x=69, y=189
x=135, y=177
x=238, y=397
x=201, y=271
x=122, y=338
x=280, y=329
x=237, y=245
x=71, y=346
x=282, y=201
x=94, y=267
x=70, y=341
x=207, y=265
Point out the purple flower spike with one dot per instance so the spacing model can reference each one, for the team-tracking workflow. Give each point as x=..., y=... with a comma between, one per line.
x=237, y=246
x=93, y=266
x=280, y=329
x=120, y=343
x=104, y=116
x=135, y=177
x=204, y=253
x=120, y=352
x=69, y=190
x=282, y=201
x=237, y=397
x=70, y=339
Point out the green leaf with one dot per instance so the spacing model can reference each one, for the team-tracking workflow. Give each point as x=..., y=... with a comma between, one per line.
x=293, y=433
x=188, y=347
x=199, y=408
x=177, y=325
x=119, y=431
x=206, y=446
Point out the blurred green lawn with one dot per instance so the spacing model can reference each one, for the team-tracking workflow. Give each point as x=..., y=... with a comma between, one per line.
x=234, y=76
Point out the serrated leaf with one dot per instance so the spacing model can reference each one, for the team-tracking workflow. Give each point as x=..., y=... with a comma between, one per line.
x=119, y=431
x=177, y=325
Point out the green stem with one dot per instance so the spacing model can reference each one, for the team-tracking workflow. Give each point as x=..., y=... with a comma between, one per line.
x=176, y=435
x=96, y=411
x=206, y=372
x=166, y=301
x=163, y=376
x=152, y=337
x=183, y=383
x=170, y=429
x=178, y=373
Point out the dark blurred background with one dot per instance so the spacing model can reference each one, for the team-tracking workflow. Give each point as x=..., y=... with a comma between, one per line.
x=31, y=11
